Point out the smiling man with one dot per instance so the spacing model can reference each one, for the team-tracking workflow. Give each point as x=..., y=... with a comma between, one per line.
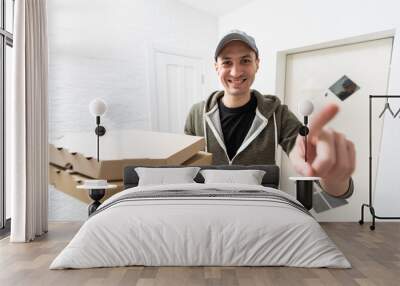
x=242, y=126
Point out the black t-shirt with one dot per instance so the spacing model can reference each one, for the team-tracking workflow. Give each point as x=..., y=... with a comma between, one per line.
x=235, y=123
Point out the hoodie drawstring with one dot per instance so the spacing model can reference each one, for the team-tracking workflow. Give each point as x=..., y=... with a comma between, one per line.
x=205, y=128
x=276, y=137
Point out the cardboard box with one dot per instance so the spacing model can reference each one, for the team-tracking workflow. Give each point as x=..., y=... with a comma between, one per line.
x=77, y=151
x=67, y=181
x=200, y=159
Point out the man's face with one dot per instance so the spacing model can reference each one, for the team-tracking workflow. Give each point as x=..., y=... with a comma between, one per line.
x=236, y=67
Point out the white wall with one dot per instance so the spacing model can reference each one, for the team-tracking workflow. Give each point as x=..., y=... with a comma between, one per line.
x=100, y=48
x=283, y=25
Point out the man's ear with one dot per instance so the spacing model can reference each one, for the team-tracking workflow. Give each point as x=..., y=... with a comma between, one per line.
x=257, y=63
x=216, y=66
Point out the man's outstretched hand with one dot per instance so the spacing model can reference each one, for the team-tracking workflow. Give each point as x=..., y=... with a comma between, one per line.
x=329, y=154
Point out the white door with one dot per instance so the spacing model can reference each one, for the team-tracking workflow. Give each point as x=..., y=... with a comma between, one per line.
x=310, y=74
x=179, y=84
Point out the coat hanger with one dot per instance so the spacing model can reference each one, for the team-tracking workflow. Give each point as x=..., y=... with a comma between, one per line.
x=387, y=107
x=397, y=113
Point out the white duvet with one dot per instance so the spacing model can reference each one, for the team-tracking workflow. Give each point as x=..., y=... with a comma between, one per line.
x=200, y=231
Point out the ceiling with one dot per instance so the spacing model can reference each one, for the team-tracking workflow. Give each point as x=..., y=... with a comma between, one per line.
x=216, y=8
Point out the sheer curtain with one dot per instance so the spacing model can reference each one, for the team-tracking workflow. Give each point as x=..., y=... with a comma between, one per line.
x=29, y=122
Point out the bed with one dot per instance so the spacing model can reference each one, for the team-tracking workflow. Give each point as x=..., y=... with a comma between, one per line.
x=201, y=224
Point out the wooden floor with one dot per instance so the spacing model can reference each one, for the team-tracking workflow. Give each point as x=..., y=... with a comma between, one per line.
x=375, y=256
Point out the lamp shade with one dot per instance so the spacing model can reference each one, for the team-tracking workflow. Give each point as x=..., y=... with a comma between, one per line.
x=97, y=107
x=306, y=108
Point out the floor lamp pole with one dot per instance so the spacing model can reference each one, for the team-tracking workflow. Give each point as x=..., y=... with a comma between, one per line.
x=98, y=137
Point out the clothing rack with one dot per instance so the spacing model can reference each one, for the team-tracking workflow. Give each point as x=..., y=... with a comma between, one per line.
x=369, y=205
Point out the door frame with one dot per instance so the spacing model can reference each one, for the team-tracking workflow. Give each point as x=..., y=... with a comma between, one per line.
x=153, y=49
x=280, y=79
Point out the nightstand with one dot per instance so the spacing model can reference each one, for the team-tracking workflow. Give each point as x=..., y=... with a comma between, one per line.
x=304, y=190
x=96, y=194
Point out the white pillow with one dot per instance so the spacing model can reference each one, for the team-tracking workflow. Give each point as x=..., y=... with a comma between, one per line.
x=248, y=177
x=163, y=176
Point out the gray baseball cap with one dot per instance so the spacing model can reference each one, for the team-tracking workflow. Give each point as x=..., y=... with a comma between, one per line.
x=236, y=35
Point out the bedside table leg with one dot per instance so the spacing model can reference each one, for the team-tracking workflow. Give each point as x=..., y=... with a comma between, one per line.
x=96, y=195
x=304, y=193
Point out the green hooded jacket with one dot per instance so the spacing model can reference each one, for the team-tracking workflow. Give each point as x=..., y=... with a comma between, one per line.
x=273, y=124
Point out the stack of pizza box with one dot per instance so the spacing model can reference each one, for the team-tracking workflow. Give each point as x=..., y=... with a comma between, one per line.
x=73, y=156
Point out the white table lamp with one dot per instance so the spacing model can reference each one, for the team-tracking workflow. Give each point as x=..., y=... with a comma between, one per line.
x=305, y=109
x=304, y=185
x=97, y=108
